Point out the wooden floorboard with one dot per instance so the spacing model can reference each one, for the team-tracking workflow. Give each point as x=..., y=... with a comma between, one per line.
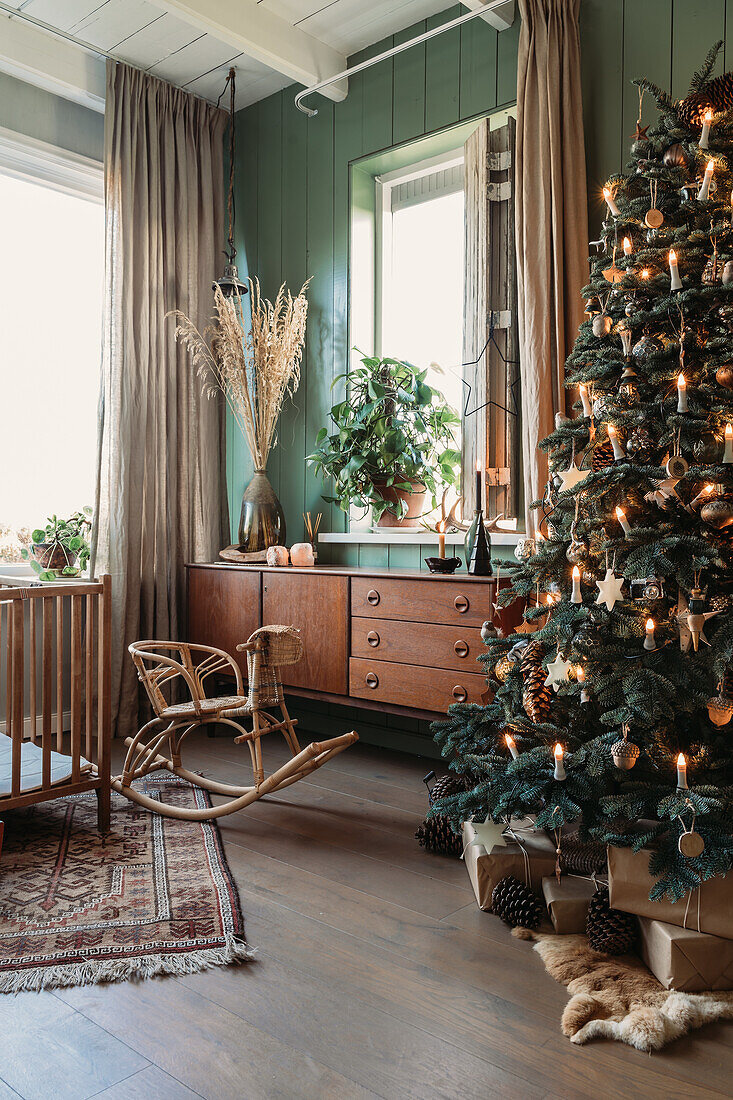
x=376, y=976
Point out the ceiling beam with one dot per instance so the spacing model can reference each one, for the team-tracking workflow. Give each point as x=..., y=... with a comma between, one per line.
x=47, y=62
x=252, y=29
x=500, y=17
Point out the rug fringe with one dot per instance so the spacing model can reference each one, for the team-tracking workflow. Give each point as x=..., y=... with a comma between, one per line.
x=234, y=951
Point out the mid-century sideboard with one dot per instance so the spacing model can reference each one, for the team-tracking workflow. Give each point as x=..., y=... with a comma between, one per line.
x=401, y=641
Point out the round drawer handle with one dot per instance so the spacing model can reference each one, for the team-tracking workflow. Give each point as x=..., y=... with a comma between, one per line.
x=460, y=694
x=461, y=648
x=372, y=680
x=373, y=638
x=461, y=604
x=373, y=597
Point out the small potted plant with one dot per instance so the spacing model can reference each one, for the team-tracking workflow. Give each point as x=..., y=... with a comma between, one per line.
x=61, y=548
x=393, y=443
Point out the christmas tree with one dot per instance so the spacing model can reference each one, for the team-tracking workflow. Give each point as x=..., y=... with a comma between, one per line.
x=612, y=702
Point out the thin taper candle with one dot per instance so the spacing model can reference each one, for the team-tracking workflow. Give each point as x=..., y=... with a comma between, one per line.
x=681, y=772
x=557, y=752
x=511, y=745
x=608, y=196
x=704, y=192
x=650, y=641
x=707, y=118
x=576, y=596
x=681, y=394
x=621, y=517
x=587, y=407
x=674, y=271
x=728, y=453
x=479, y=502
x=618, y=451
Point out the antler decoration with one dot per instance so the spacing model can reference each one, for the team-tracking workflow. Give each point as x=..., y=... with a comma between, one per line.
x=449, y=519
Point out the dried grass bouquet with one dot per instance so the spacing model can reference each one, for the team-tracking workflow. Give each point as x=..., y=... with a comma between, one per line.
x=254, y=370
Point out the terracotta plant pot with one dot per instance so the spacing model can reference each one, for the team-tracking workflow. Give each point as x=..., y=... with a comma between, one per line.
x=50, y=555
x=414, y=498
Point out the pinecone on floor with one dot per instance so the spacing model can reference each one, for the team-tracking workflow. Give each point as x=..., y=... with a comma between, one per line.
x=435, y=833
x=516, y=903
x=609, y=930
x=581, y=857
x=536, y=698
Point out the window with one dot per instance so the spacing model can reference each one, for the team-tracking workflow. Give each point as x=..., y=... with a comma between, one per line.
x=51, y=297
x=420, y=263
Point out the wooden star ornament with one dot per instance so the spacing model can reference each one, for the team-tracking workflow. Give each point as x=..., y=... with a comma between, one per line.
x=609, y=589
x=640, y=133
x=572, y=477
x=558, y=672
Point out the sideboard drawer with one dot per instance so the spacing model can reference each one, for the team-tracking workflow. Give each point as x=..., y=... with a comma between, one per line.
x=422, y=600
x=417, y=643
x=413, y=686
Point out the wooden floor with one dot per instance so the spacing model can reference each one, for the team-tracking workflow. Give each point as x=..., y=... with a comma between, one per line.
x=377, y=976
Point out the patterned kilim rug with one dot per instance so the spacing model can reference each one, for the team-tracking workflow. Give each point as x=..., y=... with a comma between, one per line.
x=154, y=897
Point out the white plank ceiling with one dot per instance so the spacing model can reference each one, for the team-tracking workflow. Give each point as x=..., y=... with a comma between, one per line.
x=152, y=37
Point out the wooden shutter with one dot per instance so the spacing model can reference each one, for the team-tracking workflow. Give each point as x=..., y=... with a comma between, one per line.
x=491, y=435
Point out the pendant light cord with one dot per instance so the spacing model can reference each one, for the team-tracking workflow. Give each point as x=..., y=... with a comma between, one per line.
x=231, y=210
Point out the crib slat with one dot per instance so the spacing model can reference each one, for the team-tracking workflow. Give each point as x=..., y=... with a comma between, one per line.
x=32, y=656
x=76, y=681
x=16, y=693
x=104, y=692
x=47, y=686
x=59, y=673
x=89, y=675
x=9, y=673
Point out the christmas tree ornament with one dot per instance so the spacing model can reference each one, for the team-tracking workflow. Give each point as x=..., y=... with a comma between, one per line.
x=577, y=552
x=603, y=454
x=525, y=548
x=601, y=324
x=653, y=217
x=727, y=277
x=720, y=706
x=725, y=313
x=609, y=930
x=488, y=632
x=646, y=347
x=724, y=376
x=676, y=466
x=536, y=695
x=503, y=667
x=558, y=672
x=610, y=590
x=718, y=510
x=691, y=844
x=691, y=619
x=676, y=156
x=516, y=904
x=627, y=338
x=639, y=444
x=712, y=272
x=722, y=601
x=624, y=752
x=600, y=404
x=645, y=589
x=640, y=133
x=592, y=306
x=572, y=477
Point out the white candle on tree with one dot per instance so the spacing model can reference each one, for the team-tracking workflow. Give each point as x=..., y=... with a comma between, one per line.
x=681, y=772
x=681, y=394
x=587, y=407
x=618, y=451
x=511, y=745
x=608, y=196
x=674, y=271
x=628, y=247
x=704, y=192
x=621, y=517
x=707, y=118
x=576, y=596
x=728, y=453
x=650, y=642
x=558, y=753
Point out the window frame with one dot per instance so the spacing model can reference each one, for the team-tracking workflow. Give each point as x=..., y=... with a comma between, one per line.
x=26, y=158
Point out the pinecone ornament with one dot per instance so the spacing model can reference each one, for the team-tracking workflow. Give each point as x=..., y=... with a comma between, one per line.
x=581, y=857
x=435, y=833
x=715, y=95
x=602, y=455
x=609, y=930
x=516, y=904
x=536, y=698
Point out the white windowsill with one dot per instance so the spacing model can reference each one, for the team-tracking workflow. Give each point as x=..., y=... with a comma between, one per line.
x=414, y=538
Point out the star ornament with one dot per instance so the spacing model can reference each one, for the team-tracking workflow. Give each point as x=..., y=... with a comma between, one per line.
x=609, y=589
x=558, y=672
x=572, y=477
x=639, y=133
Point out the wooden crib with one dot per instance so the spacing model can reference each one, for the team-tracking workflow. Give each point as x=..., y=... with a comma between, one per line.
x=54, y=675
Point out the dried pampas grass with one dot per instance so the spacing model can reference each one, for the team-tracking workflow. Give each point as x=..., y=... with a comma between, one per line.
x=255, y=370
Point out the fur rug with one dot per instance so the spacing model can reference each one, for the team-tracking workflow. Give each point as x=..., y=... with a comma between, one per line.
x=617, y=998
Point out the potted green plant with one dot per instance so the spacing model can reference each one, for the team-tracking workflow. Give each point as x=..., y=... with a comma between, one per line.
x=393, y=443
x=61, y=548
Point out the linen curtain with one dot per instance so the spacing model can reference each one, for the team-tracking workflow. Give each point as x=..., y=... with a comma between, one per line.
x=161, y=494
x=551, y=220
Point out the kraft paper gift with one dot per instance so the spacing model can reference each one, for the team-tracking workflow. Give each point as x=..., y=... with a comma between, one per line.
x=683, y=959
x=568, y=902
x=707, y=909
x=491, y=853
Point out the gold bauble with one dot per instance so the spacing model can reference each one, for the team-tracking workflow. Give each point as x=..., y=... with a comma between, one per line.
x=718, y=512
x=724, y=376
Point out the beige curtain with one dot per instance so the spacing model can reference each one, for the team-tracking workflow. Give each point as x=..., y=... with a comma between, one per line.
x=551, y=217
x=161, y=495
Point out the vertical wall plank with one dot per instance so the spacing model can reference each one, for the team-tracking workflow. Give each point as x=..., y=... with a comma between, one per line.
x=697, y=25
x=601, y=37
x=443, y=73
x=408, y=107
x=269, y=212
x=506, y=64
x=376, y=95
x=479, y=44
x=645, y=23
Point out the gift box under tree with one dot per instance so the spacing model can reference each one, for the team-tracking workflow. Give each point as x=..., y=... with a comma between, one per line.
x=491, y=852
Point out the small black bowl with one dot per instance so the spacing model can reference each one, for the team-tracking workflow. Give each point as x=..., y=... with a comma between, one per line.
x=442, y=565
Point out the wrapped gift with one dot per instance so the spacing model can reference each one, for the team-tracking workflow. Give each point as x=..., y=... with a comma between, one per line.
x=681, y=958
x=492, y=852
x=709, y=908
x=568, y=902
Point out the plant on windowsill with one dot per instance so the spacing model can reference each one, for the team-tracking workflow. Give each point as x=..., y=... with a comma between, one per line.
x=393, y=444
x=61, y=548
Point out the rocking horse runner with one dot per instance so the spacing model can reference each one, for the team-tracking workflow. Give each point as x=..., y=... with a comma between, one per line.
x=160, y=663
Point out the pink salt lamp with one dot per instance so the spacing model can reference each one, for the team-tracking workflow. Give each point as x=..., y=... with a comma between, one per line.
x=277, y=555
x=301, y=555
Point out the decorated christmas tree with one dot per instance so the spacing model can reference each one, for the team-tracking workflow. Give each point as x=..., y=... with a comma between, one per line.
x=612, y=702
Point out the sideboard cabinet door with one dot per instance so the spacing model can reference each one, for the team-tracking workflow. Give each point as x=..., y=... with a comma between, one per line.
x=223, y=608
x=319, y=606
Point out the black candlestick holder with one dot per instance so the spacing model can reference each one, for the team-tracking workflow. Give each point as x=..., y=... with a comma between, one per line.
x=480, y=561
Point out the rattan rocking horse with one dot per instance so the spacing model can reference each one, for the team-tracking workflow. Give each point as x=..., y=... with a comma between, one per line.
x=160, y=663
